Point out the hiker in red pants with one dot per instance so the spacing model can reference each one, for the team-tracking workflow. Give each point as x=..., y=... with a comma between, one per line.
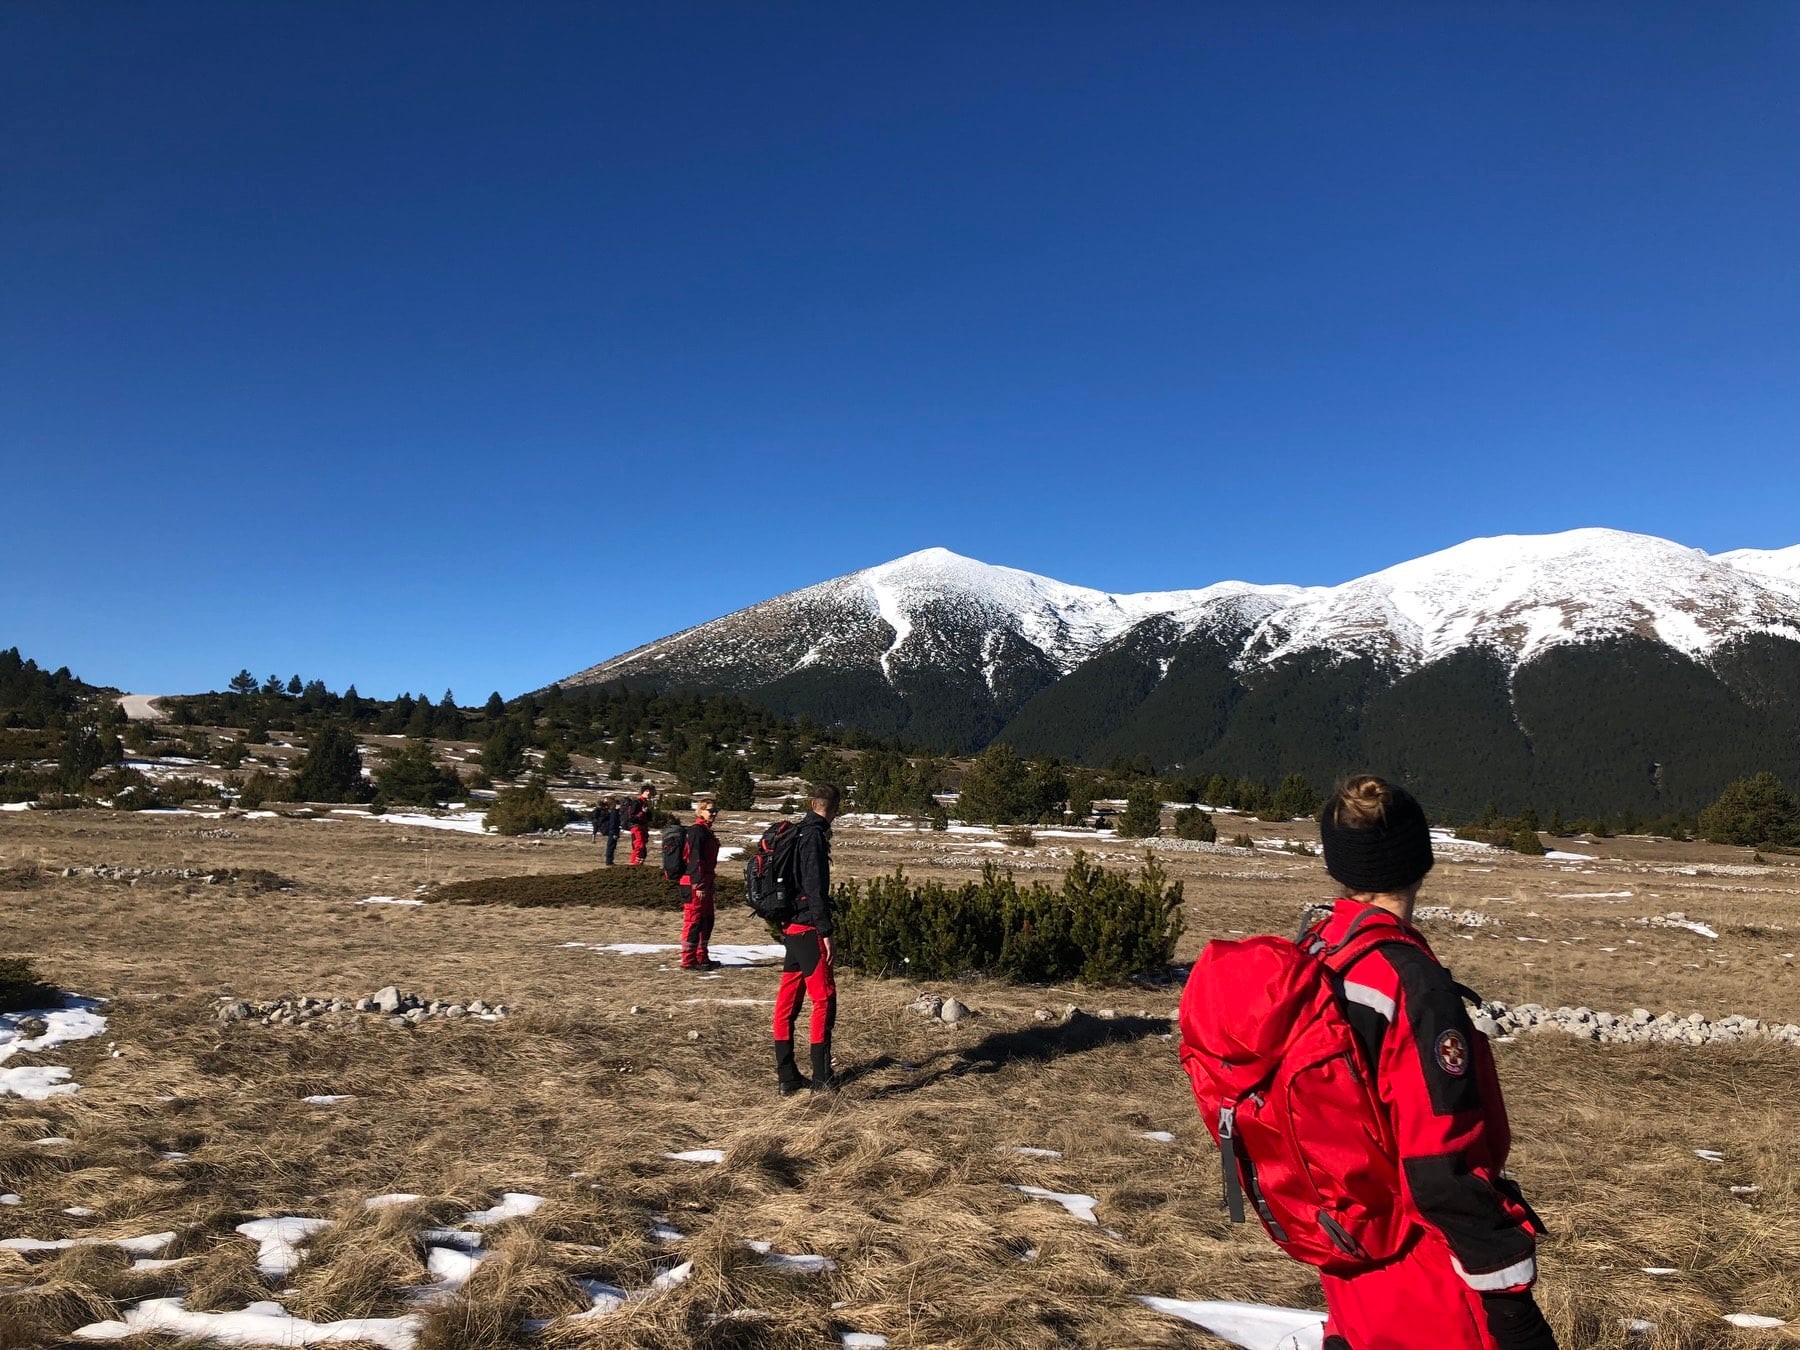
x=702, y=855
x=1382, y=1165
x=638, y=813
x=807, y=973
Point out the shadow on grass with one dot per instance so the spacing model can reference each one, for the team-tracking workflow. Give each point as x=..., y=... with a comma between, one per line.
x=1034, y=1044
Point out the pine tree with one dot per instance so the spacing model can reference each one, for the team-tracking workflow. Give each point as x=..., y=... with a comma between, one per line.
x=555, y=763
x=243, y=683
x=503, y=753
x=1755, y=810
x=294, y=686
x=331, y=768
x=412, y=776
x=495, y=707
x=1295, y=798
x=736, y=790
x=1143, y=813
x=997, y=789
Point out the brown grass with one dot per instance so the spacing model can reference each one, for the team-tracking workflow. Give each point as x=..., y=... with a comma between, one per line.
x=903, y=1179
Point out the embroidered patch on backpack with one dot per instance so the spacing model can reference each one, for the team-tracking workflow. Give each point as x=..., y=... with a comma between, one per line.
x=1453, y=1054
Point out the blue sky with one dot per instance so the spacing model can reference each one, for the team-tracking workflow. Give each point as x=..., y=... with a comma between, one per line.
x=445, y=344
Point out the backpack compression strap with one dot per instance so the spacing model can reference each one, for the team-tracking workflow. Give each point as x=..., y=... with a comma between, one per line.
x=1234, y=1187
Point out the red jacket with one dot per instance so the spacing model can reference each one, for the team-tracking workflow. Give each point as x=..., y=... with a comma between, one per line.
x=701, y=854
x=1435, y=1077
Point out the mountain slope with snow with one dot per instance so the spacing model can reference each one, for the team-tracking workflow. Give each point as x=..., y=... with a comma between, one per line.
x=1598, y=652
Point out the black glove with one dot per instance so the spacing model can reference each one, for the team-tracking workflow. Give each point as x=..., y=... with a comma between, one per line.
x=1515, y=1322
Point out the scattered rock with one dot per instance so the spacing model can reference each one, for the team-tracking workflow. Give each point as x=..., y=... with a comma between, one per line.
x=235, y=1011
x=693, y=1035
x=954, y=1010
x=387, y=1000
x=926, y=1005
x=1043, y=1015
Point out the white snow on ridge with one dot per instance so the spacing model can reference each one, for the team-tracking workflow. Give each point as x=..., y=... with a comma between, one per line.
x=1522, y=594
x=1517, y=595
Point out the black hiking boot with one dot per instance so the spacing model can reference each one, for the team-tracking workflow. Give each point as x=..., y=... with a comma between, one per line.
x=787, y=1073
x=823, y=1079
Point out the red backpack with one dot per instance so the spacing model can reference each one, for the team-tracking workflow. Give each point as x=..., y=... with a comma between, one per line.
x=1286, y=1089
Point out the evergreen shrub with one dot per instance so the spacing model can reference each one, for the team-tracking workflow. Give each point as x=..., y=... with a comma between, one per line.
x=1756, y=810
x=21, y=989
x=1527, y=842
x=1143, y=813
x=1098, y=926
x=1193, y=823
x=642, y=887
x=525, y=810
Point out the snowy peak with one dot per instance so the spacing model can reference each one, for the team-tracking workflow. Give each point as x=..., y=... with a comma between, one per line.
x=1004, y=632
x=1522, y=594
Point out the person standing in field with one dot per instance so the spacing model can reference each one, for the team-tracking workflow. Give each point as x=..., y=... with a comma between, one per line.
x=638, y=814
x=701, y=851
x=609, y=818
x=807, y=970
x=1358, y=1109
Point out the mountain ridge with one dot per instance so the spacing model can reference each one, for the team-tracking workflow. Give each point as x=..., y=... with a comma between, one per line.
x=952, y=653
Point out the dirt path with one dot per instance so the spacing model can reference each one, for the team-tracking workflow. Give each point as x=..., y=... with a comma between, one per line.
x=141, y=707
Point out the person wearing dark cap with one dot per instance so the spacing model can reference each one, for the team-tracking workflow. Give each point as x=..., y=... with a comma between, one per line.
x=1463, y=1280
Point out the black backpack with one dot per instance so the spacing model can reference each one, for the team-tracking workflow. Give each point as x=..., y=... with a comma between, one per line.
x=769, y=874
x=674, y=851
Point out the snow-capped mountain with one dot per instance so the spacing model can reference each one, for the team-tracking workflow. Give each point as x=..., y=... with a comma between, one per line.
x=1515, y=595
x=1568, y=662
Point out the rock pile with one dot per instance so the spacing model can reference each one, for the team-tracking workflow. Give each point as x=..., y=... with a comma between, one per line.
x=1639, y=1026
x=400, y=1009
x=261, y=879
x=950, y=1010
x=1462, y=918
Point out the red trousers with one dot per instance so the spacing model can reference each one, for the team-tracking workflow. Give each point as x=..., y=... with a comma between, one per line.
x=640, y=843
x=805, y=974
x=1416, y=1302
x=696, y=925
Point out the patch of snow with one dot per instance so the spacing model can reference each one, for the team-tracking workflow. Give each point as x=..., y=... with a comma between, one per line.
x=513, y=1205
x=698, y=1155
x=1709, y=1155
x=76, y=1020
x=1753, y=1321
x=264, y=1323
x=148, y=1245
x=279, y=1241
x=803, y=1264
x=1158, y=1136
x=862, y=1340
x=1255, y=1326
x=1081, y=1206
x=10, y=1199
x=1030, y=1152
x=726, y=954
x=388, y=900
x=328, y=1099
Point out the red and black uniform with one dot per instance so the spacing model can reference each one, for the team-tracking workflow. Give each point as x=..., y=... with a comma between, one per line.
x=806, y=973
x=700, y=851
x=637, y=819
x=1464, y=1282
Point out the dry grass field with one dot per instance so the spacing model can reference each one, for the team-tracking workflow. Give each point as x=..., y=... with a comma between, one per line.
x=905, y=1180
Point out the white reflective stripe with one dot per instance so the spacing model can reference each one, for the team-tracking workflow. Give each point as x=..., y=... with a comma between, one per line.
x=1519, y=1273
x=1370, y=998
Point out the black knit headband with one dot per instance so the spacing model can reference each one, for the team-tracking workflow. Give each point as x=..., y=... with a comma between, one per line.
x=1389, y=855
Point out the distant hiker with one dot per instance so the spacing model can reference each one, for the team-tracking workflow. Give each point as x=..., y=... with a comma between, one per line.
x=609, y=819
x=807, y=972
x=638, y=814
x=702, y=854
x=1359, y=1111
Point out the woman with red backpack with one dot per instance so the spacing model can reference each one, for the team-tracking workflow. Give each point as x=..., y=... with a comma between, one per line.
x=1358, y=1110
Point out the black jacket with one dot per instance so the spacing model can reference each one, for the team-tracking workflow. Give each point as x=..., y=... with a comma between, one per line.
x=812, y=873
x=638, y=812
x=607, y=820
